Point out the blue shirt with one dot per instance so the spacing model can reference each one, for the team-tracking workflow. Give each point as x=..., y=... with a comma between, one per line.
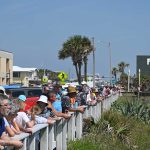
x=57, y=105
x=2, y=126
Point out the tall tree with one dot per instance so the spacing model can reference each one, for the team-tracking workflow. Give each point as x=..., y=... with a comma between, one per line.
x=75, y=47
x=114, y=72
x=121, y=67
x=123, y=75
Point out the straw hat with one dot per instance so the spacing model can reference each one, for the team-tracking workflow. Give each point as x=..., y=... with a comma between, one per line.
x=72, y=89
x=95, y=90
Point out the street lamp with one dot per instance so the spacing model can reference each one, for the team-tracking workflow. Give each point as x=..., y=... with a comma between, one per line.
x=110, y=64
x=93, y=62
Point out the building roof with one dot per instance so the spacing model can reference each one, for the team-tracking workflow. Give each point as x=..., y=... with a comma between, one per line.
x=5, y=51
x=20, y=69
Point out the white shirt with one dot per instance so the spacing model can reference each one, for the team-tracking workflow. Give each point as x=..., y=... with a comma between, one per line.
x=39, y=119
x=22, y=119
x=6, y=122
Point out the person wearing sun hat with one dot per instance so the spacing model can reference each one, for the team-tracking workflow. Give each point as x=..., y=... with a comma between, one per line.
x=36, y=111
x=47, y=109
x=21, y=102
x=42, y=103
x=72, y=94
x=22, y=119
x=22, y=98
x=69, y=102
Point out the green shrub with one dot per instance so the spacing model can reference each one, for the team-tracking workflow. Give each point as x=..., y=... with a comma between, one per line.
x=117, y=131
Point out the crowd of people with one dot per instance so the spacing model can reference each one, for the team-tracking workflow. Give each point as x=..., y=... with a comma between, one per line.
x=55, y=102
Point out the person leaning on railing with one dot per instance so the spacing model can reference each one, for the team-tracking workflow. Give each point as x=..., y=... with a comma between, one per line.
x=5, y=140
x=69, y=101
x=24, y=122
x=12, y=127
x=39, y=111
x=99, y=98
x=48, y=111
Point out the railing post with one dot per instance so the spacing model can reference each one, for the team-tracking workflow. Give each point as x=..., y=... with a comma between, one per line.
x=32, y=142
x=85, y=114
x=90, y=111
x=71, y=127
x=78, y=125
x=44, y=139
x=94, y=112
x=104, y=104
x=24, y=144
x=102, y=107
x=59, y=134
x=98, y=111
x=51, y=141
x=64, y=134
x=109, y=102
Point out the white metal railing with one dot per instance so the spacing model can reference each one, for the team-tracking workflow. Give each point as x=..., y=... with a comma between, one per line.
x=48, y=137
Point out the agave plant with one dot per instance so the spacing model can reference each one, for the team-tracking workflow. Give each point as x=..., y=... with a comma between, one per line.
x=133, y=108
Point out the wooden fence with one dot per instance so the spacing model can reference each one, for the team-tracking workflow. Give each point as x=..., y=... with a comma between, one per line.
x=49, y=137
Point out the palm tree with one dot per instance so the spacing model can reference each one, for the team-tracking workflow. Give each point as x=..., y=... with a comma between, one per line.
x=123, y=76
x=122, y=65
x=75, y=47
x=114, y=72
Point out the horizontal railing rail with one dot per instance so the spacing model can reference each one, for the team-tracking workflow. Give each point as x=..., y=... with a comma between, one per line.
x=49, y=137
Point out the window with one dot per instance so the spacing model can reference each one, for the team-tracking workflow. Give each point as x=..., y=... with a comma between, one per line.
x=16, y=74
x=34, y=93
x=15, y=94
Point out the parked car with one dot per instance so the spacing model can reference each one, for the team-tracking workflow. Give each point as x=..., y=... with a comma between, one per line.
x=32, y=94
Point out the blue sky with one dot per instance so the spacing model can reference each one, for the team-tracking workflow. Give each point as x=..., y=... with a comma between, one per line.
x=35, y=31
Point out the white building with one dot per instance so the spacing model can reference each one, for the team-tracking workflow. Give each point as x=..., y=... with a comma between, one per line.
x=24, y=75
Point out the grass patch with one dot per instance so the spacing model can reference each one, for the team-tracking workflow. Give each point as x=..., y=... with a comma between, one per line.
x=115, y=131
x=84, y=144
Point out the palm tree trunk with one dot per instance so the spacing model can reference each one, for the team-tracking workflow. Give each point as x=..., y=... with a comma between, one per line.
x=85, y=69
x=115, y=76
x=79, y=79
x=77, y=72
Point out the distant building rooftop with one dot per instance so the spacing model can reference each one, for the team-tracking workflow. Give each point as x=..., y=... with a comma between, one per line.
x=5, y=51
x=20, y=69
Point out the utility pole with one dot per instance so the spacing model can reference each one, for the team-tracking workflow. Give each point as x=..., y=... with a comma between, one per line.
x=139, y=84
x=110, y=64
x=129, y=80
x=139, y=77
x=93, y=62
